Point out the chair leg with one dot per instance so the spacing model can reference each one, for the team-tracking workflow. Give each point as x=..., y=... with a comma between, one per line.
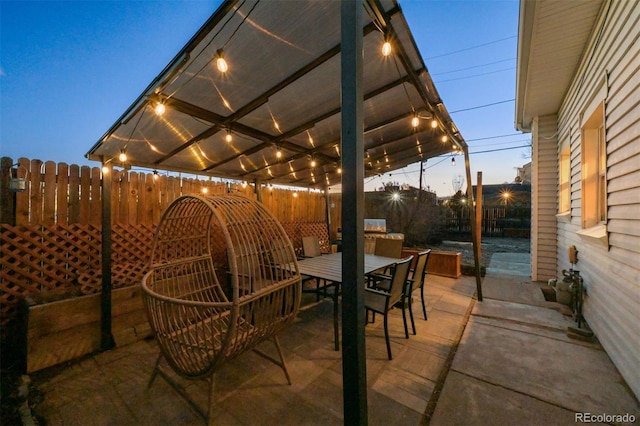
x=424, y=308
x=336, y=333
x=386, y=337
x=413, y=324
x=404, y=319
x=283, y=364
x=154, y=373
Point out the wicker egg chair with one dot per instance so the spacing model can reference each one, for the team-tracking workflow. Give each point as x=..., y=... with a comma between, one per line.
x=223, y=277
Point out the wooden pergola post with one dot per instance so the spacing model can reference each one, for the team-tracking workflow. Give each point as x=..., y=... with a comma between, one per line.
x=474, y=228
x=354, y=372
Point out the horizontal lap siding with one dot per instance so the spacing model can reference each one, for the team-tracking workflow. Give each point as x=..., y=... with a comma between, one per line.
x=611, y=276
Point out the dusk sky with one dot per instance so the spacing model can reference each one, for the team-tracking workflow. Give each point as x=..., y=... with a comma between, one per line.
x=69, y=69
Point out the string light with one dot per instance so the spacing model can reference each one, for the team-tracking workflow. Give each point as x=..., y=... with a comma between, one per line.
x=205, y=189
x=278, y=153
x=123, y=156
x=221, y=63
x=229, y=136
x=444, y=138
x=386, y=48
x=434, y=123
x=339, y=170
x=295, y=195
x=415, y=121
x=159, y=109
x=313, y=162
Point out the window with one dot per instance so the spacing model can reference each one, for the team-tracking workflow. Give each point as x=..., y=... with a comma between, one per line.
x=594, y=167
x=565, y=180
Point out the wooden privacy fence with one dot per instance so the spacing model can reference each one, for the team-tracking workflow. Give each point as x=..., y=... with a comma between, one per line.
x=51, y=234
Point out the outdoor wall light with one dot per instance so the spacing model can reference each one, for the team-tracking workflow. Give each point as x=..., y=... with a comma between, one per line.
x=221, y=63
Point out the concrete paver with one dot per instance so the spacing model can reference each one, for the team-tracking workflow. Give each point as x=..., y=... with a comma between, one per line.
x=513, y=364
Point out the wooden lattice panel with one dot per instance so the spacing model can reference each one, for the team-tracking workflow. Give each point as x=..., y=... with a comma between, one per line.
x=37, y=259
x=297, y=230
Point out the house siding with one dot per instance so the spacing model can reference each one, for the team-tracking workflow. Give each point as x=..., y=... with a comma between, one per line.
x=544, y=198
x=611, y=274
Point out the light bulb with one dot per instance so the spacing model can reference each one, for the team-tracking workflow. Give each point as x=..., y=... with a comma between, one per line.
x=159, y=109
x=278, y=153
x=339, y=170
x=386, y=48
x=205, y=189
x=434, y=123
x=295, y=195
x=123, y=156
x=415, y=121
x=445, y=138
x=229, y=136
x=221, y=63
x=313, y=163
x=105, y=170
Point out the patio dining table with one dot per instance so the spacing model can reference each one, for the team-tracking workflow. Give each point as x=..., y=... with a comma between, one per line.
x=329, y=268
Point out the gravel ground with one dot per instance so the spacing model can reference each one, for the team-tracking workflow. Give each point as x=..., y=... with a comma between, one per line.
x=489, y=246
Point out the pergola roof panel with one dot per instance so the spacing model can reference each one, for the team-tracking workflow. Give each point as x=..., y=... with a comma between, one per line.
x=284, y=67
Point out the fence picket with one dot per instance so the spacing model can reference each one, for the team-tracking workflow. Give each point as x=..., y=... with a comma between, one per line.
x=74, y=194
x=62, y=194
x=95, y=203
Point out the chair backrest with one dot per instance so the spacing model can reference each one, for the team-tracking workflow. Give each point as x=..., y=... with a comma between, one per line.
x=311, y=246
x=421, y=269
x=398, y=279
x=388, y=247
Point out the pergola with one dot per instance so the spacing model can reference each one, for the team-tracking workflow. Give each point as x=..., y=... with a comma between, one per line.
x=302, y=93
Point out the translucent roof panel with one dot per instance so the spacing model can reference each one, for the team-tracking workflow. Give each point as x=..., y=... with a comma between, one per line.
x=280, y=95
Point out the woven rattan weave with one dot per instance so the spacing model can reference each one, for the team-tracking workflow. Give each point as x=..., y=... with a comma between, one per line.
x=223, y=278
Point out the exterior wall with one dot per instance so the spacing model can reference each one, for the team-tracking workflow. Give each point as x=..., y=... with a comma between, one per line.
x=544, y=194
x=611, y=270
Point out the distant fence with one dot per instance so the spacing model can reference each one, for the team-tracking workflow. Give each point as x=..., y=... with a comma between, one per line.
x=496, y=221
x=51, y=233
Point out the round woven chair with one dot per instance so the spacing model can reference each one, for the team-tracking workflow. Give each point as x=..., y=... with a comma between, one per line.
x=223, y=278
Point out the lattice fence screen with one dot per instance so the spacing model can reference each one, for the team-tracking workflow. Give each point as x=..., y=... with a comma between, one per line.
x=66, y=260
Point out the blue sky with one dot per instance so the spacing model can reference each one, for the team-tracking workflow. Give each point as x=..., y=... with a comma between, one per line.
x=69, y=69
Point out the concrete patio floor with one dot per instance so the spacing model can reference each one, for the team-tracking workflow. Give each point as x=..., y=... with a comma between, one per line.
x=506, y=360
